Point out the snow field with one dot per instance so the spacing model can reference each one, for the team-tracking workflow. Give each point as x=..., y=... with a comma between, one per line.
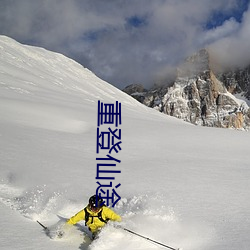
x=181, y=185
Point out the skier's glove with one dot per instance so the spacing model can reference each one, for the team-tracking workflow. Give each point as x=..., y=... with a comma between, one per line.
x=118, y=226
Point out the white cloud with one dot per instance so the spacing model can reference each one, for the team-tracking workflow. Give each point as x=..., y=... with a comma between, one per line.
x=228, y=28
x=97, y=32
x=233, y=50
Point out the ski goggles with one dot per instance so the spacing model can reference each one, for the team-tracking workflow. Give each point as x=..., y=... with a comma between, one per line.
x=94, y=208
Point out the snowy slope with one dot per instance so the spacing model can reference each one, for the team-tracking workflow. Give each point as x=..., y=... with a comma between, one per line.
x=182, y=185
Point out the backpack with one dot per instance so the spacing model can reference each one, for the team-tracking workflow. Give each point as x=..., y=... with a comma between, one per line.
x=99, y=216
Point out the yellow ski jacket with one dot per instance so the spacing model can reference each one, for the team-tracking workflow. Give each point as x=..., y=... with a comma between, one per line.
x=94, y=223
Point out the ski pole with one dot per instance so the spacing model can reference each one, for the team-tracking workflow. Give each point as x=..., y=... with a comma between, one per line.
x=150, y=239
x=45, y=228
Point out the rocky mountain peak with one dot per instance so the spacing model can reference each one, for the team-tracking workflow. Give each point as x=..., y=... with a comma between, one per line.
x=196, y=64
x=200, y=96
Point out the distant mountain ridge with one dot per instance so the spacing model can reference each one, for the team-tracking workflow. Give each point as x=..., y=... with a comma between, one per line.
x=200, y=95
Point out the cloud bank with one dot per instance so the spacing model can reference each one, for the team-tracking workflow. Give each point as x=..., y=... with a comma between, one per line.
x=132, y=41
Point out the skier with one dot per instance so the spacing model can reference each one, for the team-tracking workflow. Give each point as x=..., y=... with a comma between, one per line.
x=95, y=214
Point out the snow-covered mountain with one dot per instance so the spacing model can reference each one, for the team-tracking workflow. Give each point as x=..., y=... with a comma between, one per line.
x=201, y=96
x=183, y=185
x=237, y=81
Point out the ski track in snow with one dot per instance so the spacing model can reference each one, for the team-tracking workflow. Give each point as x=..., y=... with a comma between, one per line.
x=145, y=214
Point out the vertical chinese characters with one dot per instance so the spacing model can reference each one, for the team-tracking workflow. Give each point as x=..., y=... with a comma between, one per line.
x=108, y=142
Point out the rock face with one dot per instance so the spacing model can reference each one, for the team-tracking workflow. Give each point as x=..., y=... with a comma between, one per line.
x=137, y=91
x=201, y=97
x=237, y=81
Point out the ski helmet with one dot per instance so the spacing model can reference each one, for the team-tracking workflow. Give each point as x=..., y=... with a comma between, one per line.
x=95, y=202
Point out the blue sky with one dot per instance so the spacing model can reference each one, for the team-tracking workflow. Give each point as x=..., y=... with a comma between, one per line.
x=218, y=17
x=131, y=41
